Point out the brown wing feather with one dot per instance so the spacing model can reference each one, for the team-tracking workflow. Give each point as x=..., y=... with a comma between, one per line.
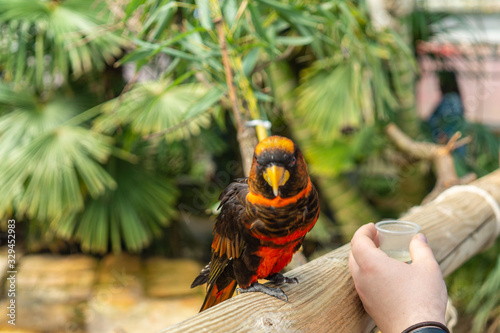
x=215, y=296
x=227, y=228
x=226, y=246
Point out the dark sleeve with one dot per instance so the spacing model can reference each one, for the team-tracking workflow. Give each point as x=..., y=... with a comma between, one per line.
x=428, y=330
x=427, y=327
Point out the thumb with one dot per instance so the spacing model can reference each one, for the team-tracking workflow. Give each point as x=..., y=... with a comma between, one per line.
x=420, y=251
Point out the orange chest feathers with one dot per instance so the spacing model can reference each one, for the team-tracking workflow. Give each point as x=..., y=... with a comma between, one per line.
x=275, y=258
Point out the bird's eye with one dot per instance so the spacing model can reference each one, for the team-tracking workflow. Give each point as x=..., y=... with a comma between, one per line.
x=292, y=162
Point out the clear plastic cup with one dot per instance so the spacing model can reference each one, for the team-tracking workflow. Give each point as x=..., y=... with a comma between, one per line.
x=395, y=236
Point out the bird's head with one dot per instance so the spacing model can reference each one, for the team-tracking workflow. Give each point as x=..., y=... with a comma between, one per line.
x=278, y=169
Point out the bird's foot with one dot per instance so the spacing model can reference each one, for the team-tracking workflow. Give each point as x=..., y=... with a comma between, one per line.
x=280, y=278
x=257, y=287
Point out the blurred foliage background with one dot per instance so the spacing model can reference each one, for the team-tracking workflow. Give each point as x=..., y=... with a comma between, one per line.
x=116, y=132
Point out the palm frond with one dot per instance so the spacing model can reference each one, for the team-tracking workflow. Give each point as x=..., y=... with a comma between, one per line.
x=44, y=178
x=43, y=43
x=12, y=99
x=129, y=215
x=352, y=85
x=154, y=107
x=330, y=100
x=46, y=164
x=26, y=117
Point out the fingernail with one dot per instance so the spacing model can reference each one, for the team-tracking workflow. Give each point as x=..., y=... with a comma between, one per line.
x=421, y=237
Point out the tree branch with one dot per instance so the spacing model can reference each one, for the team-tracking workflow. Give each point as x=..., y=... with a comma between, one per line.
x=246, y=136
x=439, y=155
x=229, y=75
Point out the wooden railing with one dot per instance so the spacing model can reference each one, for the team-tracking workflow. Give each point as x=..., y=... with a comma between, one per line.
x=458, y=224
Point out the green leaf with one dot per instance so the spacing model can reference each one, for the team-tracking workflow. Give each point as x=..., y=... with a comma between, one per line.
x=132, y=6
x=257, y=23
x=294, y=14
x=250, y=60
x=138, y=54
x=204, y=13
x=204, y=103
x=180, y=54
x=22, y=47
x=160, y=18
x=263, y=97
x=229, y=11
x=295, y=40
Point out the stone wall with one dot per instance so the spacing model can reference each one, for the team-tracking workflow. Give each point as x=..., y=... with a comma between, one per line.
x=79, y=293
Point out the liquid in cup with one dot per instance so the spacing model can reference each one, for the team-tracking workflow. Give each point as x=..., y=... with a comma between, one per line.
x=395, y=236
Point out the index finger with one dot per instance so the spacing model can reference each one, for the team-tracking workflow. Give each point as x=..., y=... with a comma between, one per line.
x=364, y=244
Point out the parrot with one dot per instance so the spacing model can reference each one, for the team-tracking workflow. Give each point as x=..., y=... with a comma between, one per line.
x=262, y=222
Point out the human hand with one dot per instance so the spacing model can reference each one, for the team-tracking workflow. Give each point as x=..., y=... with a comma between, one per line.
x=395, y=294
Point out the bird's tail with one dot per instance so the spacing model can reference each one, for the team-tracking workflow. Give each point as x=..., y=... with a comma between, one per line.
x=215, y=296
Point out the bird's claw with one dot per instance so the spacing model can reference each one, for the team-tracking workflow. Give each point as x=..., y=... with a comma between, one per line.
x=280, y=278
x=257, y=287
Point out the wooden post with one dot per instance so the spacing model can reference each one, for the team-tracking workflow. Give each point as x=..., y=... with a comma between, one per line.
x=458, y=224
